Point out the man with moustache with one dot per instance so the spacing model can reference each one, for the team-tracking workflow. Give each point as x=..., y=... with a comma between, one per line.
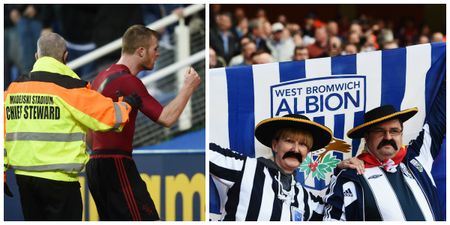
x=397, y=182
x=114, y=181
x=262, y=189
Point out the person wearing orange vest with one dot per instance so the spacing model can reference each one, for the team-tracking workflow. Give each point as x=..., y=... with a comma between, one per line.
x=47, y=115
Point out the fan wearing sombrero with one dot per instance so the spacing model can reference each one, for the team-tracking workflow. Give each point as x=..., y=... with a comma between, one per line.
x=397, y=184
x=291, y=138
x=264, y=189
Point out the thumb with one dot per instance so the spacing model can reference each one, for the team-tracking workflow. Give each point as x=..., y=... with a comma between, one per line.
x=119, y=96
x=189, y=70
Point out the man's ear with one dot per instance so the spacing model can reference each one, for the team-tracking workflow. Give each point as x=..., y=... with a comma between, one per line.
x=274, y=145
x=36, y=55
x=366, y=135
x=65, y=56
x=140, y=51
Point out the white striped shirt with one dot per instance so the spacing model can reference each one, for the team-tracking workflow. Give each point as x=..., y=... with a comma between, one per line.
x=249, y=190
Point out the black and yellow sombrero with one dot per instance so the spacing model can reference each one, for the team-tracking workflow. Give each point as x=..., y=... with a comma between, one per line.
x=266, y=129
x=378, y=115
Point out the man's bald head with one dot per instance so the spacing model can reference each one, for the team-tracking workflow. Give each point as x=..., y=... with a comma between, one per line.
x=52, y=45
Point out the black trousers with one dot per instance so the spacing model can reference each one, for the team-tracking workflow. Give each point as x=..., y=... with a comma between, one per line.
x=118, y=190
x=44, y=199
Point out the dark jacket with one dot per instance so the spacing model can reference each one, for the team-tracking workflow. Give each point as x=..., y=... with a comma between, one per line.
x=419, y=159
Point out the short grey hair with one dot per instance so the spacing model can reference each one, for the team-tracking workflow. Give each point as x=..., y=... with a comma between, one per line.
x=253, y=24
x=52, y=45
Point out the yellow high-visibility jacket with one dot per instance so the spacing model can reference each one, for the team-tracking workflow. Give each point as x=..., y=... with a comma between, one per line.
x=47, y=115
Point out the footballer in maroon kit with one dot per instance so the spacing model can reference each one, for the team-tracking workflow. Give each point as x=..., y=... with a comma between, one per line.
x=114, y=181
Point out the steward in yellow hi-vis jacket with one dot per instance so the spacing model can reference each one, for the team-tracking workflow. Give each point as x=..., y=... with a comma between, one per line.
x=47, y=115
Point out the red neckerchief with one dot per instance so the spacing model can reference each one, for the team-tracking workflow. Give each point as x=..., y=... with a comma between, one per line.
x=389, y=165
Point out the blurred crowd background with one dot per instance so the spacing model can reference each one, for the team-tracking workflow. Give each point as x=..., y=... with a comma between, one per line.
x=254, y=34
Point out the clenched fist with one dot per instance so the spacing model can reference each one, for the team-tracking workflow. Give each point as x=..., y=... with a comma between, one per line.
x=191, y=79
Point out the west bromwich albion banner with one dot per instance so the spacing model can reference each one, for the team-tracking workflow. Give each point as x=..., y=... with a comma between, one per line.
x=334, y=91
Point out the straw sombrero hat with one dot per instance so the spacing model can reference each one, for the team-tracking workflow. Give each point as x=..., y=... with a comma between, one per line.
x=266, y=129
x=378, y=115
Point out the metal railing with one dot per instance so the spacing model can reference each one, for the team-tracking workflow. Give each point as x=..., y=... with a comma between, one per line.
x=115, y=45
x=174, y=67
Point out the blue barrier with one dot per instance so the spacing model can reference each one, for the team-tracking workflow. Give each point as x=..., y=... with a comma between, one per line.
x=174, y=178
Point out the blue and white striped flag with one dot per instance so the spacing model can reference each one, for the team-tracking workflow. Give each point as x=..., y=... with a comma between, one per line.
x=334, y=91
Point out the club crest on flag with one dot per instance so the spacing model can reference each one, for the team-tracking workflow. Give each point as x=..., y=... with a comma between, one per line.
x=324, y=161
x=324, y=100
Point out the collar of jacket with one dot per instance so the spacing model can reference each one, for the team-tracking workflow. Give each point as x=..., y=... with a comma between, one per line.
x=350, y=174
x=49, y=64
